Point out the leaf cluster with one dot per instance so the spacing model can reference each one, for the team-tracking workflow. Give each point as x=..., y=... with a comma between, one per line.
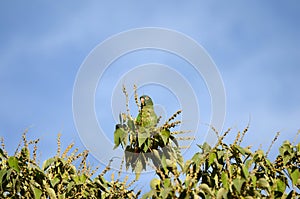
x=154, y=146
x=58, y=178
x=232, y=171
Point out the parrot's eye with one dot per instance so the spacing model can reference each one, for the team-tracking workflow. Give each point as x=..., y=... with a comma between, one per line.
x=147, y=98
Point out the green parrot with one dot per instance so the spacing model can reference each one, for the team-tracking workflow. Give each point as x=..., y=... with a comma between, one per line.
x=147, y=117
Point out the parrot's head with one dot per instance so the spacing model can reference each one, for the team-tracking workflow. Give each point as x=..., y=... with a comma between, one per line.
x=146, y=101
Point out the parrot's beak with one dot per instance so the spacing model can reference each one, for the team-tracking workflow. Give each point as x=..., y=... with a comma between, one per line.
x=142, y=101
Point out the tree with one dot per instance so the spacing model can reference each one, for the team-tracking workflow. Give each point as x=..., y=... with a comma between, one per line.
x=220, y=171
x=226, y=170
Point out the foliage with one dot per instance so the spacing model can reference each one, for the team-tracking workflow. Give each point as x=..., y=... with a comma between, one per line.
x=151, y=145
x=222, y=171
x=226, y=170
x=233, y=171
x=21, y=176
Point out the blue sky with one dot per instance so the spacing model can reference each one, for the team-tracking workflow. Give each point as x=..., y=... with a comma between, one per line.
x=255, y=46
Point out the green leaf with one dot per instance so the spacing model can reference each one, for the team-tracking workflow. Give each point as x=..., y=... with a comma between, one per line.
x=80, y=179
x=37, y=192
x=8, y=173
x=238, y=183
x=119, y=137
x=165, y=134
x=138, y=169
x=155, y=183
x=285, y=150
x=76, y=179
x=248, y=163
x=13, y=163
x=170, y=163
x=224, y=179
x=163, y=162
x=263, y=183
x=131, y=126
x=150, y=194
x=206, y=147
x=221, y=156
x=196, y=158
x=156, y=154
x=280, y=185
x=143, y=136
x=70, y=186
x=245, y=171
x=212, y=157
x=247, y=150
x=2, y=173
x=222, y=193
x=295, y=175
x=165, y=192
x=240, y=149
x=167, y=182
x=83, y=178
x=51, y=193
x=254, y=180
x=54, y=181
x=62, y=196
x=187, y=181
x=205, y=188
x=47, y=163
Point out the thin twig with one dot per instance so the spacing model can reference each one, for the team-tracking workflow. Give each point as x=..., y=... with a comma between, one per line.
x=127, y=99
x=173, y=116
x=107, y=168
x=273, y=141
x=244, y=133
x=296, y=137
x=237, y=138
x=25, y=139
x=67, y=150
x=3, y=146
x=121, y=166
x=136, y=97
x=58, y=145
x=18, y=147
